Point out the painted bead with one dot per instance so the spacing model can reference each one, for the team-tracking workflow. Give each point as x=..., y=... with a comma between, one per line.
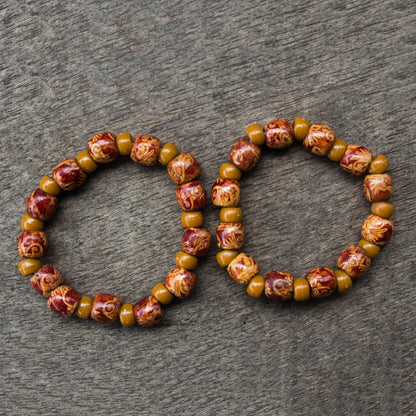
x=256, y=286
x=256, y=134
x=378, y=187
x=229, y=171
x=180, y=282
x=377, y=230
x=63, y=300
x=32, y=244
x=379, y=164
x=68, y=175
x=86, y=162
x=244, y=154
x=105, y=307
x=382, y=209
x=29, y=223
x=279, y=285
x=49, y=186
x=225, y=257
x=279, y=134
x=84, y=307
x=41, y=205
x=162, y=294
x=124, y=145
x=300, y=128
x=185, y=260
x=231, y=214
x=191, y=196
x=301, y=289
x=322, y=281
x=230, y=236
x=356, y=159
x=354, y=261
x=146, y=149
x=183, y=168
x=319, y=139
x=167, y=153
x=243, y=268
x=46, y=279
x=371, y=250
x=344, y=281
x=225, y=193
x=148, y=311
x=103, y=147
x=28, y=266
x=126, y=315
x=196, y=241
x=337, y=150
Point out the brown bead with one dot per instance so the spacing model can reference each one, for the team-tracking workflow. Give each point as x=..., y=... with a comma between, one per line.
x=225, y=257
x=244, y=154
x=32, y=244
x=356, y=159
x=378, y=187
x=191, y=196
x=162, y=294
x=300, y=128
x=382, y=209
x=41, y=205
x=279, y=134
x=146, y=150
x=256, y=286
x=354, y=261
x=231, y=214
x=180, y=282
x=322, y=282
x=183, y=168
x=344, y=281
x=84, y=307
x=192, y=219
x=230, y=236
x=319, y=139
x=49, y=186
x=68, y=175
x=148, y=311
x=126, y=315
x=167, y=153
x=64, y=300
x=105, y=307
x=124, y=145
x=229, y=171
x=46, y=279
x=243, y=268
x=185, y=260
x=225, y=193
x=196, y=241
x=377, y=230
x=301, y=289
x=103, y=147
x=86, y=162
x=256, y=134
x=29, y=223
x=371, y=250
x=379, y=164
x=337, y=150
x=28, y=266
x=279, y=285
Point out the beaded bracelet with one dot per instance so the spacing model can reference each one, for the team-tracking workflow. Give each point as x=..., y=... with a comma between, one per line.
x=354, y=260
x=70, y=174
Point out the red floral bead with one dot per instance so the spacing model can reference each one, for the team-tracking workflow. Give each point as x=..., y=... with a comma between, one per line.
x=244, y=154
x=243, y=268
x=279, y=134
x=68, y=175
x=322, y=281
x=46, y=279
x=148, y=311
x=196, y=241
x=32, y=244
x=279, y=285
x=377, y=230
x=356, y=159
x=105, y=307
x=378, y=187
x=146, y=149
x=180, y=282
x=102, y=147
x=226, y=193
x=319, y=139
x=183, y=168
x=191, y=196
x=41, y=205
x=230, y=236
x=64, y=300
x=354, y=261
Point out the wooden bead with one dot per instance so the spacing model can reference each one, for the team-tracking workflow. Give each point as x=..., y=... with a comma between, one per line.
x=49, y=186
x=64, y=300
x=41, y=205
x=84, y=307
x=192, y=219
x=382, y=209
x=256, y=286
x=256, y=134
x=191, y=196
x=29, y=223
x=167, y=153
x=32, y=244
x=379, y=164
x=225, y=193
x=322, y=281
x=279, y=134
x=185, y=260
x=377, y=230
x=148, y=311
x=146, y=150
x=105, y=307
x=124, y=145
x=46, y=279
x=184, y=168
x=279, y=285
x=371, y=250
x=354, y=261
x=356, y=159
x=300, y=128
x=196, y=241
x=231, y=215
x=378, y=187
x=344, y=281
x=337, y=150
x=126, y=314
x=102, y=147
x=243, y=268
x=319, y=139
x=85, y=162
x=162, y=294
x=230, y=236
x=180, y=282
x=301, y=290
x=28, y=266
x=229, y=171
x=68, y=175
x=225, y=257
x=244, y=154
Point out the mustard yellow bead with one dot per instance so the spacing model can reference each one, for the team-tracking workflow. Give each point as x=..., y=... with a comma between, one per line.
x=337, y=150
x=256, y=134
x=192, y=219
x=300, y=128
x=371, y=250
x=344, y=281
x=382, y=209
x=229, y=171
x=126, y=314
x=231, y=214
x=162, y=294
x=49, y=186
x=84, y=307
x=256, y=286
x=85, y=162
x=167, y=153
x=379, y=164
x=225, y=257
x=28, y=266
x=301, y=290
x=29, y=223
x=185, y=260
x=124, y=143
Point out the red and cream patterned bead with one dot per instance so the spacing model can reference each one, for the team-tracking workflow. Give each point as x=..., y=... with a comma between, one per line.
x=102, y=147
x=148, y=311
x=243, y=268
x=244, y=154
x=279, y=134
x=64, y=300
x=196, y=241
x=319, y=139
x=354, y=261
x=191, y=196
x=46, y=279
x=378, y=187
x=230, y=236
x=180, y=282
x=183, y=168
x=279, y=285
x=32, y=244
x=146, y=149
x=68, y=175
x=41, y=205
x=322, y=281
x=356, y=159
x=377, y=230
x=105, y=307
x=225, y=193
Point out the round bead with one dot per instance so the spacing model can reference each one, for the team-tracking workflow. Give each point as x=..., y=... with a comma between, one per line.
x=148, y=311
x=244, y=154
x=192, y=219
x=49, y=186
x=28, y=266
x=337, y=150
x=243, y=268
x=103, y=147
x=105, y=307
x=126, y=314
x=344, y=281
x=84, y=307
x=191, y=196
x=356, y=159
x=322, y=281
x=63, y=300
x=162, y=294
x=378, y=187
x=68, y=175
x=256, y=134
x=46, y=279
x=379, y=164
x=371, y=250
x=256, y=286
x=279, y=134
x=29, y=223
x=382, y=209
x=229, y=171
x=225, y=193
x=124, y=145
x=85, y=162
x=225, y=257
x=41, y=205
x=167, y=153
x=231, y=215
x=279, y=285
x=196, y=241
x=183, y=168
x=32, y=244
x=301, y=290
x=180, y=282
x=377, y=230
x=230, y=236
x=319, y=139
x=354, y=261
x=146, y=150
x=185, y=260
x=300, y=128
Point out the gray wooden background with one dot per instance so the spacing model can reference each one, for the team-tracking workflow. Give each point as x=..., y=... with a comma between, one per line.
x=197, y=73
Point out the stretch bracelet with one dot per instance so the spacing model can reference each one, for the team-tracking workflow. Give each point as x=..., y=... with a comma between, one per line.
x=354, y=260
x=70, y=174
